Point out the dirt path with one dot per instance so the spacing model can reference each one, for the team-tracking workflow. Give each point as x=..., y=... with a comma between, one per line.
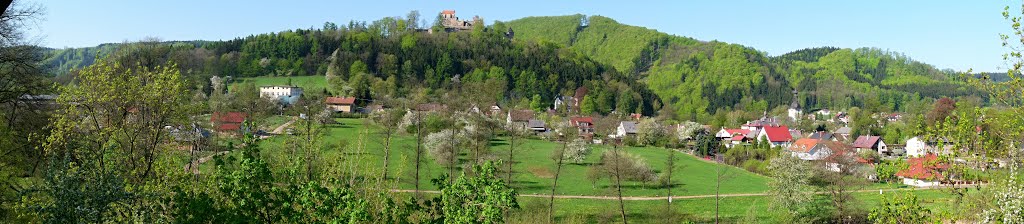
x=194, y=165
x=647, y=198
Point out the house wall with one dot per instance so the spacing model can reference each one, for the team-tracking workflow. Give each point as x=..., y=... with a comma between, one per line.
x=340, y=108
x=920, y=183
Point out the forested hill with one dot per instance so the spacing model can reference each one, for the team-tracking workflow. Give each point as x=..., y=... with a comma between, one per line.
x=699, y=79
x=388, y=58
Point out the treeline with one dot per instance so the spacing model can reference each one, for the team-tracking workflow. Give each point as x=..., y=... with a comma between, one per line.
x=389, y=58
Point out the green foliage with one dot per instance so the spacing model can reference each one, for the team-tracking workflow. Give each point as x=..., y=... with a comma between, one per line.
x=482, y=198
x=903, y=208
x=249, y=193
x=536, y=104
x=790, y=184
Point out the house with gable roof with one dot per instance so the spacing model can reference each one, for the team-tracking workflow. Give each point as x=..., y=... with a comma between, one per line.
x=776, y=135
x=874, y=143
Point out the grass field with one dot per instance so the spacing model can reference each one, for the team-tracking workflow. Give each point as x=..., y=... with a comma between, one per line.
x=535, y=168
x=693, y=176
x=308, y=83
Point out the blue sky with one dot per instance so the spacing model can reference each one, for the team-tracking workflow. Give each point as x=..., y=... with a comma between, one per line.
x=949, y=34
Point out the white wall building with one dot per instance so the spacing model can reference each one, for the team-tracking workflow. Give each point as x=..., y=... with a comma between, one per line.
x=286, y=94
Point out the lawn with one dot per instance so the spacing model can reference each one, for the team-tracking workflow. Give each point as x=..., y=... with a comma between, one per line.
x=701, y=210
x=693, y=176
x=534, y=168
x=308, y=83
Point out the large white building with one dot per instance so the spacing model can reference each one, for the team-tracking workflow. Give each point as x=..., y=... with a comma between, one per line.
x=285, y=94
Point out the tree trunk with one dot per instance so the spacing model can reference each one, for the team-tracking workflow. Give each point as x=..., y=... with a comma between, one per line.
x=558, y=170
x=618, y=182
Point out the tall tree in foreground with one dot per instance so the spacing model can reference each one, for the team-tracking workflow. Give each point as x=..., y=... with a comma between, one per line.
x=573, y=149
x=479, y=199
x=790, y=187
x=388, y=121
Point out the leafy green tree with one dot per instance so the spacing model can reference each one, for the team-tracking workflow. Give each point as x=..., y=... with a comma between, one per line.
x=478, y=199
x=536, y=104
x=587, y=107
x=897, y=209
x=790, y=187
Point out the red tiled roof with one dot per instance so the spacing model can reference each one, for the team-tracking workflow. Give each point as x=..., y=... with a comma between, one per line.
x=803, y=145
x=738, y=131
x=229, y=127
x=778, y=133
x=738, y=137
x=448, y=12
x=229, y=117
x=866, y=142
x=341, y=100
x=577, y=120
x=926, y=167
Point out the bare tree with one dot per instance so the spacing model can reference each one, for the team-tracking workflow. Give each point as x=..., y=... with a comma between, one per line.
x=388, y=121
x=575, y=151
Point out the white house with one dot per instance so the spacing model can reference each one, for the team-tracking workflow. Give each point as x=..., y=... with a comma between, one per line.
x=917, y=147
x=867, y=142
x=285, y=94
x=625, y=128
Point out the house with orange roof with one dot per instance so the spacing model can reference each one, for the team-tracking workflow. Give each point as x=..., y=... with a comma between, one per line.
x=340, y=104
x=925, y=171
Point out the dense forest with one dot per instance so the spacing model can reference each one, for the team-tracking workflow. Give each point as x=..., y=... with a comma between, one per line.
x=701, y=79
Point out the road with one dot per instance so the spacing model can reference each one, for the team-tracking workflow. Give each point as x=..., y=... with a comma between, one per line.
x=647, y=198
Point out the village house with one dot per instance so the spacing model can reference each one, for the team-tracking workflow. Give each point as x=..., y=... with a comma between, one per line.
x=625, y=128
x=536, y=125
x=733, y=137
x=821, y=135
x=519, y=118
x=284, y=94
x=585, y=125
x=925, y=171
x=228, y=121
x=894, y=117
x=844, y=133
x=841, y=117
x=567, y=103
x=373, y=108
x=815, y=149
x=494, y=110
x=917, y=147
x=873, y=143
x=775, y=135
x=341, y=104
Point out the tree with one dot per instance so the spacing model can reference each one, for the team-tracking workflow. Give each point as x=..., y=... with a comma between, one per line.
x=479, y=199
x=587, y=107
x=789, y=187
x=388, y=121
x=650, y=132
x=940, y=110
x=536, y=104
x=894, y=209
x=707, y=144
x=576, y=152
